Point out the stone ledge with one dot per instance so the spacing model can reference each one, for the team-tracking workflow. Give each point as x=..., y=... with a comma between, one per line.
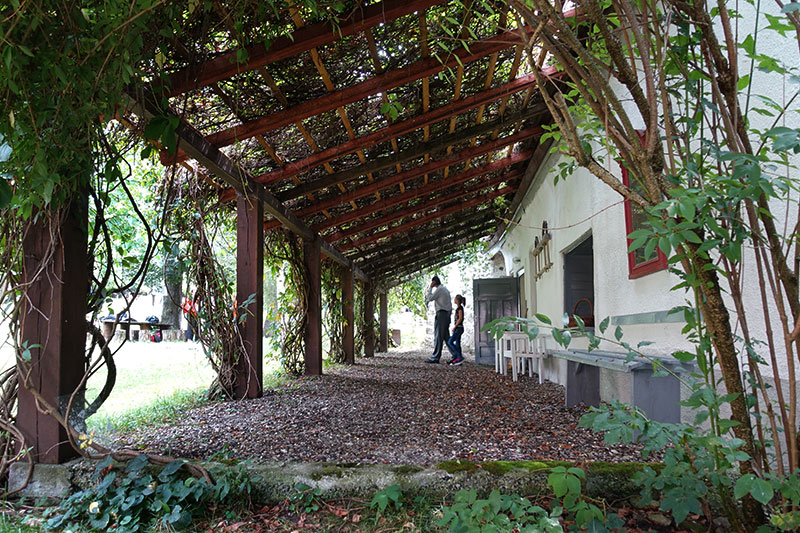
x=274, y=482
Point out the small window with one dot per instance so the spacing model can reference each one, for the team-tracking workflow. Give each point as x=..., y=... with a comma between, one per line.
x=638, y=264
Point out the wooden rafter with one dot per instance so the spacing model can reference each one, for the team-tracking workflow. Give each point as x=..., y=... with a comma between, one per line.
x=428, y=218
x=411, y=174
x=221, y=165
x=399, y=129
x=376, y=62
x=426, y=81
x=276, y=92
x=439, y=255
x=381, y=82
x=425, y=257
x=411, y=194
x=412, y=239
x=226, y=65
x=407, y=175
x=326, y=79
x=413, y=153
x=422, y=207
x=450, y=234
x=460, y=74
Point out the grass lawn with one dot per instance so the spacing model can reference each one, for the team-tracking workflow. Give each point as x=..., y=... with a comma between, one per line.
x=155, y=381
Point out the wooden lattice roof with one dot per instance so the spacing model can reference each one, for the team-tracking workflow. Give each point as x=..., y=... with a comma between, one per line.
x=393, y=190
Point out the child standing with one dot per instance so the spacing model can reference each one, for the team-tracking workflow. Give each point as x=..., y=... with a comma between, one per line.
x=454, y=342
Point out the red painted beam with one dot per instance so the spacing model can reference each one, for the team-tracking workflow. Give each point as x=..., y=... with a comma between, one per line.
x=405, y=127
x=402, y=213
x=428, y=218
x=432, y=187
x=380, y=83
x=432, y=166
x=226, y=65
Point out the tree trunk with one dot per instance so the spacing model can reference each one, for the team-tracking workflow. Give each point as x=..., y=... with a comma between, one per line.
x=173, y=277
x=717, y=320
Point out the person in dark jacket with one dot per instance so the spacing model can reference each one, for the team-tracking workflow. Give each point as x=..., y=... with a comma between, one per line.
x=440, y=296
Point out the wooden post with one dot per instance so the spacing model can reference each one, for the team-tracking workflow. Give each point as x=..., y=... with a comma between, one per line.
x=348, y=340
x=248, y=373
x=53, y=316
x=384, y=322
x=313, y=332
x=369, y=321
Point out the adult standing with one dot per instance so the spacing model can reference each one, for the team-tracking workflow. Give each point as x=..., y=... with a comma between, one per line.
x=440, y=296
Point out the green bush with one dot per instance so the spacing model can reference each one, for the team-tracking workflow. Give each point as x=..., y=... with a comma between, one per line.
x=136, y=499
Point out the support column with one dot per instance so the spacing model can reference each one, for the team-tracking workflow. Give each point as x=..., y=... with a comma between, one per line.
x=369, y=321
x=348, y=339
x=53, y=316
x=384, y=322
x=313, y=332
x=249, y=372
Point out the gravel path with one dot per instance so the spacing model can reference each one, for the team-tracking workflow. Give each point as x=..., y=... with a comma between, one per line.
x=390, y=409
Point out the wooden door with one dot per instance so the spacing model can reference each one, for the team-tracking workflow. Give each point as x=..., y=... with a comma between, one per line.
x=493, y=298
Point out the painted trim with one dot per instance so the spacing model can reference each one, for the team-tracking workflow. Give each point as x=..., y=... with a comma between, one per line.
x=659, y=262
x=652, y=317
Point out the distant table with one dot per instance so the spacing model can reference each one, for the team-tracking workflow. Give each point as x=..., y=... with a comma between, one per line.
x=108, y=327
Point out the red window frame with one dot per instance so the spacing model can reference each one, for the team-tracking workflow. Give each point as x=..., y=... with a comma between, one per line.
x=659, y=262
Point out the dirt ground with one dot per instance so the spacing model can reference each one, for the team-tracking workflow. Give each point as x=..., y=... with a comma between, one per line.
x=393, y=408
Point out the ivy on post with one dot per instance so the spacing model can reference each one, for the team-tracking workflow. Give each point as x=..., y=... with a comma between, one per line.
x=313, y=330
x=369, y=321
x=383, y=306
x=249, y=311
x=50, y=360
x=348, y=340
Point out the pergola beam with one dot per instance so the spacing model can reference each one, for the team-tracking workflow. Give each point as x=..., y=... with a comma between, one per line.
x=226, y=65
x=403, y=256
x=420, y=208
x=434, y=242
x=412, y=194
x=445, y=257
x=415, y=238
x=428, y=218
x=381, y=82
x=398, y=129
x=412, y=153
x=206, y=154
x=419, y=171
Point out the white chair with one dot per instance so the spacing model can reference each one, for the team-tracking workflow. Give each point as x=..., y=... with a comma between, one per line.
x=538, y=348
x=498, y=354
x=521, y=356
x=506, y=353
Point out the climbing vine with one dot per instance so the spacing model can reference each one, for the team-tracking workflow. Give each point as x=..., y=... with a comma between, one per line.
x=333, y=317
x=284, y=251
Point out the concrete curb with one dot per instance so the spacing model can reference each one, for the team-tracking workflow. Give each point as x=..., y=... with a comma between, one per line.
x=274, y=482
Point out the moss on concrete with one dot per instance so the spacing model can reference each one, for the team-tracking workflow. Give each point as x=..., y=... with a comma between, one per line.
x=451, y=467
x=407, y=469
x=274, y=482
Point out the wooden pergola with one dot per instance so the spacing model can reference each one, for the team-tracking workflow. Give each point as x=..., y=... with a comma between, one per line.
x=384, y=143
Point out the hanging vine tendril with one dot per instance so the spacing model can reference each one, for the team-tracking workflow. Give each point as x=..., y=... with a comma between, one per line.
x=333, y=316
x=285, y=251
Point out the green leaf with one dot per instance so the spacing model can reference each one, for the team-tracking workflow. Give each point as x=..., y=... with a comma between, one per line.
x=743, y=82
x=762, y=490
x=791, y=7
x=543, y=319
x=5, y=194
x=604, y=324
x=170, y=469
x=618, y=333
